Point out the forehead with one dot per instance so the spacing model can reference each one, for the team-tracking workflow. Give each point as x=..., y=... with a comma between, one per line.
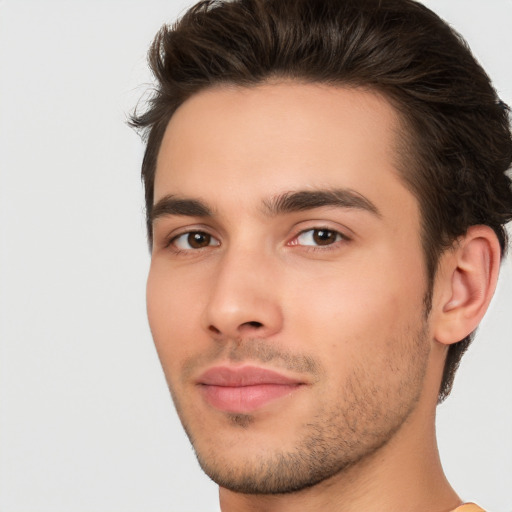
x=252, y=143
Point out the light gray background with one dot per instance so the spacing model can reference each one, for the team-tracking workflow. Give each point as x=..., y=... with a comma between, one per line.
x=86, y=424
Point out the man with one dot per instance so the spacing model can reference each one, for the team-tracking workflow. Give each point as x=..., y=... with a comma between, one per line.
x=326, y=190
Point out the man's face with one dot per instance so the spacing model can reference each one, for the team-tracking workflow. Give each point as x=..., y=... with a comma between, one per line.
x=286, y=288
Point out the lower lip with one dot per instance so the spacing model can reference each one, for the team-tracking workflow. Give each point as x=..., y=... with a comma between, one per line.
x=245, y=399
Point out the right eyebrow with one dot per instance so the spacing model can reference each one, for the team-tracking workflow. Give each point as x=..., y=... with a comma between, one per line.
x=174, y=205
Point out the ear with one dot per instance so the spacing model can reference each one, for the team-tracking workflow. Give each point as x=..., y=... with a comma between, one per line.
x=465, y=284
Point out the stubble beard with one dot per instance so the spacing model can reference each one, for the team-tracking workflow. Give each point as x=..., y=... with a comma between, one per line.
x=368, y=415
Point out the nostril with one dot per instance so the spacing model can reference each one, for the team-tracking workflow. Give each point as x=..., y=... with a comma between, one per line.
x=244, y=327
x=213, y=329
x=254, y=324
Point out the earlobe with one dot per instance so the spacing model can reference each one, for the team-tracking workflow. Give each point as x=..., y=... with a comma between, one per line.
x=468, y=281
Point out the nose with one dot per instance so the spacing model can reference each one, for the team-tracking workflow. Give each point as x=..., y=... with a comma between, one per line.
x=243, y=301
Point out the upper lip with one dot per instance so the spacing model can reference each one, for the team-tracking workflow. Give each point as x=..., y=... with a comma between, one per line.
x=240, y=376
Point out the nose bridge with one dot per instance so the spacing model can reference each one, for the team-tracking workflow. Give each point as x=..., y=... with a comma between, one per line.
x=243, y=299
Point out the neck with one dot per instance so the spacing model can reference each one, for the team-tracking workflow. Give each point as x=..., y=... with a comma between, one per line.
x=405, y=473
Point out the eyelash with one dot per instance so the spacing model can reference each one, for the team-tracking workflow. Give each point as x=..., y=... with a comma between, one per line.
x=339, y=237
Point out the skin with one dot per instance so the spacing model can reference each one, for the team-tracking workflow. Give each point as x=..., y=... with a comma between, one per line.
x=342, y=314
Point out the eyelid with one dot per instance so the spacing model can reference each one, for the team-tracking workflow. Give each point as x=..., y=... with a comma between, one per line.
x=311, y=225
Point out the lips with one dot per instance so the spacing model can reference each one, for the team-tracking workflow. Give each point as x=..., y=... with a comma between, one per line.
x=244, y=389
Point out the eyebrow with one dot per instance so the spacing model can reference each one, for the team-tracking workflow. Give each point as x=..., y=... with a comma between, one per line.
x=288, y=202
x=173, y=205
x=309, y=199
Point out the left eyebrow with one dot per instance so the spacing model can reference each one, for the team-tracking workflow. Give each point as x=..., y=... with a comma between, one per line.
x=309, y=199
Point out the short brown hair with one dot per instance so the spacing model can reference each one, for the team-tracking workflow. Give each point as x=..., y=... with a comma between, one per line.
x=456, y=147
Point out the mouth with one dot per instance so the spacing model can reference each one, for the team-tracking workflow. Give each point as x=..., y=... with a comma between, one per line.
x=244, y=389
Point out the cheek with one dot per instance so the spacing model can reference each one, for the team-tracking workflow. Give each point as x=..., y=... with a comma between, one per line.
x=366, y=341
x=353, y=313
x=173, y=308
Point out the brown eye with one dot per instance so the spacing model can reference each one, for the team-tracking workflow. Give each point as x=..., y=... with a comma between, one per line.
x=324, y=236
x=194, y=240
x=198, y=240
x=319, y=237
